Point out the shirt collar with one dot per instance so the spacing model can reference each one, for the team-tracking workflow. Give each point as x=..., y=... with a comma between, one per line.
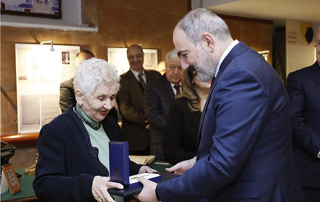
x=136, y=74
x=225, y=53
x=172, y=84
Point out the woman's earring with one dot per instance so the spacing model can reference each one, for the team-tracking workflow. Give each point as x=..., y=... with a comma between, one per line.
x=79, y=105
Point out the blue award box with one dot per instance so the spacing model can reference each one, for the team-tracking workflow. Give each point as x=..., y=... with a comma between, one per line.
x=119, y=170
x=119, y=162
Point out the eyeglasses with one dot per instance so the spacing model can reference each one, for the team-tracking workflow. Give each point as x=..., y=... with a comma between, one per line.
x=138, y=56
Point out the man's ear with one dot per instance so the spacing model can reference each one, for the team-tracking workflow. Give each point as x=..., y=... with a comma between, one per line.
x=79, y=96
x=207, y=42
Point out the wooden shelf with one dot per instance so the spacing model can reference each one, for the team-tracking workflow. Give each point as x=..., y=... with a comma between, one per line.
x=21, y=139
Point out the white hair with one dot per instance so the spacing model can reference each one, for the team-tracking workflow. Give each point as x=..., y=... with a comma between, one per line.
x=171, y=54
x=92, y=72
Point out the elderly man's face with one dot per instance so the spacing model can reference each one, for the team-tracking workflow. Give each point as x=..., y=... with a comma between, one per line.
x=174, y=70
x=204, y=62
x=318, y=47
x=135, y=58
x=98, y=105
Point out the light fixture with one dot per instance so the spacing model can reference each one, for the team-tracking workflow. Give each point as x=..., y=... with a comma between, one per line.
x=264, y=54
x=49, y=41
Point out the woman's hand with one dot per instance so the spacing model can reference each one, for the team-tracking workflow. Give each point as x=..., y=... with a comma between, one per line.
x=182, y=167
x=147, y=169
x=100, y=186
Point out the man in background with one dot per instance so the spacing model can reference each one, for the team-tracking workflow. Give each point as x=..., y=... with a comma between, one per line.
x=244, y=143
x=67, y=96
x=303, y=87
x=130, y=102
x=158, y=96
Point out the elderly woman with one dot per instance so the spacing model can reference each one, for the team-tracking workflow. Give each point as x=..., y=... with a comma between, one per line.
x=181, y=130
x=73, y=162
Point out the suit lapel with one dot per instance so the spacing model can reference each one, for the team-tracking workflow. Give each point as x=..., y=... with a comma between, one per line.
x=135, y=83
x=168, y=86
x=148, y=75
x=238, y=49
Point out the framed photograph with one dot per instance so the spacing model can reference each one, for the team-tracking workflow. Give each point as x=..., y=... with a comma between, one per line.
x=34, y=8
x=11, y=177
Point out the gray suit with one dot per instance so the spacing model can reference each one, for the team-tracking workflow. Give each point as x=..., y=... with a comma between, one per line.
x=130, y=103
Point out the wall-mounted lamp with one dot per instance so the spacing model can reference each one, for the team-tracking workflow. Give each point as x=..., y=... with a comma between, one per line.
x=49, y=41
x=264, y=54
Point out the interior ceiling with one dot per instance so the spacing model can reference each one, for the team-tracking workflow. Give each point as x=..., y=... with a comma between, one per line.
x=275, y=10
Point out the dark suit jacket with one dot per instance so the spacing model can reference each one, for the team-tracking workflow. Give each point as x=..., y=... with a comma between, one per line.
x=158, y=96
x=181, y=132
x=130, y=103
x=304, y=91
x=245, y=151
x=67, y=161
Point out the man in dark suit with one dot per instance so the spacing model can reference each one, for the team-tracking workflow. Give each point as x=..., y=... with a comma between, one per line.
x=304, y=92
x=130, y=102
x=158, y=96
x=244, y=143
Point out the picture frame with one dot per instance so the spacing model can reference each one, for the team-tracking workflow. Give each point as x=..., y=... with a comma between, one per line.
x=39, y=8
x=11, y=177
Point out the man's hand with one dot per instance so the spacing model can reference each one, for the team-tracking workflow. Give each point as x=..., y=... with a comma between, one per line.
x=182, y=167
x=148, y=193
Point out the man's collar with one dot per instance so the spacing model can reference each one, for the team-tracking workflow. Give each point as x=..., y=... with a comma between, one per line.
x=135, y=73
x=224, y=55
x=172, y=84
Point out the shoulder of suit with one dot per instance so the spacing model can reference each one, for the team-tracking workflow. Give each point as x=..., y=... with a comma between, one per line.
x=68, y=81
x=161, y=80
x=125, y=74
x=303, y=70
x=152, y=72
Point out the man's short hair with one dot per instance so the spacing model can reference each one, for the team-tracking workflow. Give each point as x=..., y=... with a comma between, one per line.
x=86, y=52
x=135, y=45
x=202, y=20
x=171, y=54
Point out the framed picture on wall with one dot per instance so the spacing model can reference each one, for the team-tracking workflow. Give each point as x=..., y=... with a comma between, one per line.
x=118, y=57
x=11, y=177
x=39, y=72
x=34, y=8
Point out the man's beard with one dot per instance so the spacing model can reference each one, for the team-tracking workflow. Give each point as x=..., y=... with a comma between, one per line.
x=205, y=65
